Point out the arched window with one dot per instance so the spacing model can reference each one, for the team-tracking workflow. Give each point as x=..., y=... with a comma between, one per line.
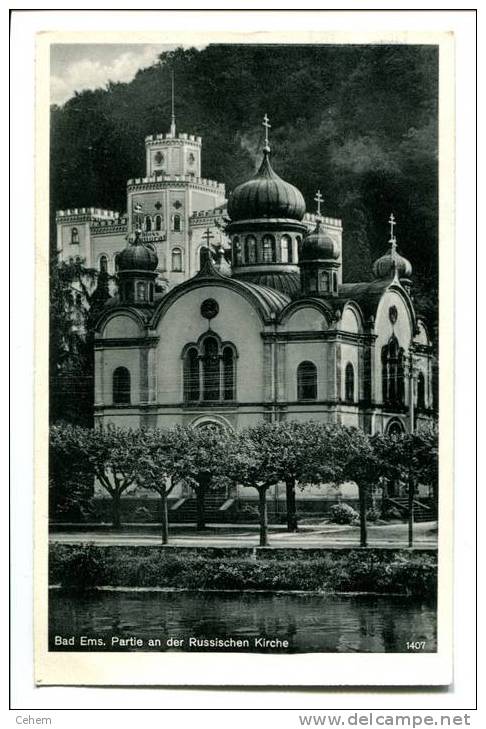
x=211, y=375
x=298, y=239
x=237, y=252
x=268, y=249
x=121, y=386
x=324, y=281
x=250, y=249
x=103, y=264
x=335, y=281
x=312, y=281
x=176, y=223
x=158, y=222
x=349, y=383
x=393, y=373
x=210, y=371
x=421, y=391
x=176, y=259
x=286, y=249
x=200, y=256
x=307, y=381
x=148, y=223
x=191, y=375
x=74, y=236
x=159, y=158
x=228, y=374
x=141, y=291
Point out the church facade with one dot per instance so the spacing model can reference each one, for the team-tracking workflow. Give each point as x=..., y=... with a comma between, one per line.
x=273, y=334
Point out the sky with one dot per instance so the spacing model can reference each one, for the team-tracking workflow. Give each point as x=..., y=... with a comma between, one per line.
x=79, y=66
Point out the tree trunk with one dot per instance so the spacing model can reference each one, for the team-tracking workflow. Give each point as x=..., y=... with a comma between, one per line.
x=291, y=507
x=262, y=505
x=363, y=529
x=411, y=495
x=164, y=517
x=116, y=511
x=200, y=511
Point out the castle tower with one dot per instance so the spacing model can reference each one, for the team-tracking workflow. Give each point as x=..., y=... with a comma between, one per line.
x=266, y=228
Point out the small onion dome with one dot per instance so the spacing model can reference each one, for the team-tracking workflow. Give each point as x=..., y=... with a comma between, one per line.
x=137, y=257
x=317, y=245
x=384, y=267
x=266, y=195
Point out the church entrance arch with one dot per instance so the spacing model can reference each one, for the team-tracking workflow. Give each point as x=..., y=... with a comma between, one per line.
x=395, y=427
x=215, y=424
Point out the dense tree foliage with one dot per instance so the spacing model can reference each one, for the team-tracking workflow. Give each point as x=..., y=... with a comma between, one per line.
x=358, y=122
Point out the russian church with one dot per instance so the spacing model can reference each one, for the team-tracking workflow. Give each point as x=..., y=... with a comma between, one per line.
x=256, y=322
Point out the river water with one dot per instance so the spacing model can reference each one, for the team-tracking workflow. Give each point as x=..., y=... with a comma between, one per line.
x=296, y=623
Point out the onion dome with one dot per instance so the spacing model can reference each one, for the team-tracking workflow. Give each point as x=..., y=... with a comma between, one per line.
x=137, y=257
x=318, y=246
x=392, y=263
x=266, y=195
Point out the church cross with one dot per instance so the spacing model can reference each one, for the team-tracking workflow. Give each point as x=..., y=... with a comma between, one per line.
x=319, y=199
x=392, y=222
x=207, y=236
x=267, y=125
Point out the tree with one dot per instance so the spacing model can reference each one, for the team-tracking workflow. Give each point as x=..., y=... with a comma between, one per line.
x=252, y=460
x=160, y=466
x=363, y=467
x=113, y=454
x=201, y=454
x=412, y=458
x=76, y=294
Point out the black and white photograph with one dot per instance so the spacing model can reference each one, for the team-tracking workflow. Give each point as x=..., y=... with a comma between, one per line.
x=244, y=387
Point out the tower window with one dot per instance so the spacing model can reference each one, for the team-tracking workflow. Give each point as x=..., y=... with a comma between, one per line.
x=177, y=259
x=307, y=381
x=158, y=222
x=335, y=281
x=159, y=158
x=237, y=252
x=121, y=386
x=286, y=249
x=74, y=236
x=103, y=264
x=393, y=373
x=268, y=249
x=148, y=223
x=250, y=249
x=349, y=383
x=324, y=281
x=176, y=223
x=141, y=291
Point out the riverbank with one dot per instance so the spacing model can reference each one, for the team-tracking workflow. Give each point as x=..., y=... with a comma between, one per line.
x=389, y=571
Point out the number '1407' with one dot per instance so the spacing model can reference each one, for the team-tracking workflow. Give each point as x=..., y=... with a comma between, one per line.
x=415, y=645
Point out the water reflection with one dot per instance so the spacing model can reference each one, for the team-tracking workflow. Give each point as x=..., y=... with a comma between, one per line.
x=320, y=623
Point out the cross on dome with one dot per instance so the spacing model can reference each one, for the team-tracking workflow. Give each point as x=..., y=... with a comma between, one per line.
x=266, y=124
x=392, y=221
x=319, y=199
x=207, y=236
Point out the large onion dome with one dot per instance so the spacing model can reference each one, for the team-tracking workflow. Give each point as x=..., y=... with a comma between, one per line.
x=266, y=195
x=318, y=246
x=137, y=257
x=392, y=261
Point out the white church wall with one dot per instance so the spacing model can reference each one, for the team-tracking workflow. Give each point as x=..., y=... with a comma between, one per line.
x=307, y=318
x=384, y=329
x=237, y=322
x=121, y=326
x=297, y=352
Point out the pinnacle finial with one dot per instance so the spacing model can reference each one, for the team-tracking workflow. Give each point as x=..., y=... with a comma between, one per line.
x=266, y=124
x=173, y=123
x=319, y=199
